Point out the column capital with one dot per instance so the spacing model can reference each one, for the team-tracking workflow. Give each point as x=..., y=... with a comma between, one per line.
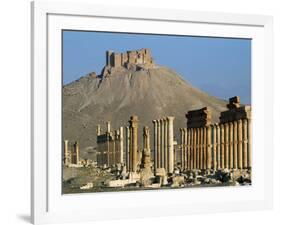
x=170, y=118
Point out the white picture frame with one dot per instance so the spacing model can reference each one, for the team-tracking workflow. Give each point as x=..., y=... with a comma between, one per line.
x=47, y=202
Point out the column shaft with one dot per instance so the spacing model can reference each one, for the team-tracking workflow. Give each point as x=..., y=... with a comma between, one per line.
x=171, y=144
x=249, y=143
x=226, y=144
x=235, y=144
x=230, y=145
x=222, y=146
x=240, y=147
x=209, y=144
x=245, y=144
x=214, y=157
x=155, y=144
x=218, y=147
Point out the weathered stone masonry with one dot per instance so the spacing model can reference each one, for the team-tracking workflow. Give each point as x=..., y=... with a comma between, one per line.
x=217, y=146
x=142, y=56
x=71, y=154
x=109, y=146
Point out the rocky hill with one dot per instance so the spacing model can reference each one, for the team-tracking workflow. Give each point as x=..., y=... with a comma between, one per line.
x=119, y=92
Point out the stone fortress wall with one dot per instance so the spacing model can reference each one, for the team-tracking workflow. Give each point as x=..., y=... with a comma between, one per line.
x=137, y=57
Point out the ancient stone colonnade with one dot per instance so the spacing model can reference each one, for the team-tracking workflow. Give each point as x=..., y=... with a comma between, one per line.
x=71, y=155
x=164, y=144
x=217, y=146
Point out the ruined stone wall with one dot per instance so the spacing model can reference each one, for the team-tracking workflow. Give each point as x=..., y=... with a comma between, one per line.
x=71, y=153
x=109, y=146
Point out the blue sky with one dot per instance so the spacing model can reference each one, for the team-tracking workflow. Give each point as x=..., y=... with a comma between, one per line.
x=219, y=66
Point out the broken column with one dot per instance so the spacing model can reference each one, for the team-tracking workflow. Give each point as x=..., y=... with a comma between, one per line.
x=127, y=147
x=182, y=147
x=171, y=143
x=133, y=122
x=98, y=130
x=76, y=153
x=108, y=126
x=146, y=173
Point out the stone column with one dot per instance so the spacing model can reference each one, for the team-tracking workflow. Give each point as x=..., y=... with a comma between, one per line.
x=214, y=157
x=194, y=148
x=76, y=153
x=240, y=153
x=249, y=144
x=245, y=144
x=209, y=144
x=65, y=153
x=165, y=143
x=218, y=147
x=171, y=143
x=235, y=142
x=127, y=147
x=162, y=144
x=191, y=148
x=155, y=144
x=230, y=145
x=185, y=148
x=205, y=149
x=108, y=126
x=146, y=139
x=134, y=142
x=226, y=144
x=201, y=148
x=198, y=148
x=158, y=144
x=121, y=145
x=182, y=146
x=222, y=146
x=98, y=130
x=188, y=149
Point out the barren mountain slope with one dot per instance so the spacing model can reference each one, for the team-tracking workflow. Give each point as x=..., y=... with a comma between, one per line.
x=148, y=93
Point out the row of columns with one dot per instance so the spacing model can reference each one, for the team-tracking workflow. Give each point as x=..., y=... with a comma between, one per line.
x=164, y=144
x=217, y=146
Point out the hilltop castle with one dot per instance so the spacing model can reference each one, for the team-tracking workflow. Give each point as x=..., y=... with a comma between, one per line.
x=137, y=57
